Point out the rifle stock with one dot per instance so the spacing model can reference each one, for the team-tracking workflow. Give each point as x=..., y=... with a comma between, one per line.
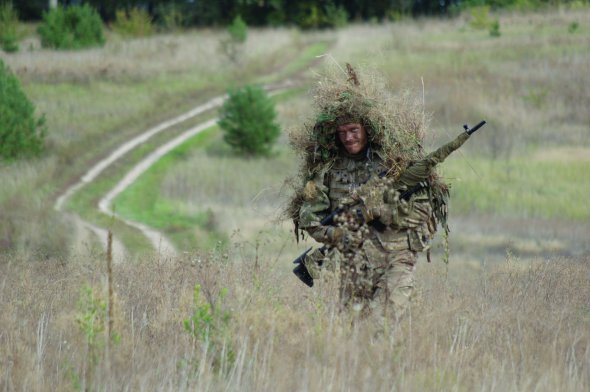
x=301, y=270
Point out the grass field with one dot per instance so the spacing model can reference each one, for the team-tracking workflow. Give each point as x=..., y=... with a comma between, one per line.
x=510, y=312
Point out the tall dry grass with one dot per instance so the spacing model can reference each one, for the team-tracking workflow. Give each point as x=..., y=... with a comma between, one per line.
x=507, y=327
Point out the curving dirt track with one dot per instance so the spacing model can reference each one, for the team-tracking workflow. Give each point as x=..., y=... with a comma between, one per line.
x=158, y=239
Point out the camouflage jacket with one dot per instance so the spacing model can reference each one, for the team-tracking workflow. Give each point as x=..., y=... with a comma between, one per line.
x=402, y=224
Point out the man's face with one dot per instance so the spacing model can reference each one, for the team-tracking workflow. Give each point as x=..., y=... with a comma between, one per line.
x=353, y=137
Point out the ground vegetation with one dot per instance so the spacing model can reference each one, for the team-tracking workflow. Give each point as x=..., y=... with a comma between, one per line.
x=248, y=120
x=22, y=130
x=509, y=311
x=73, y=27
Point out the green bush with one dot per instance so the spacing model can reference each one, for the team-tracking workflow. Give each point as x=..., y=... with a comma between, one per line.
x=238, y=30
x=171, y=16
x=336, y=16
x=21, y=134
x=74, y=27
x=248, y=120
x=8, y=28
x=480, y=17
x=135, y=23
x=573, y=27
x=313, y=16
x=495, y=28
x=237, y=34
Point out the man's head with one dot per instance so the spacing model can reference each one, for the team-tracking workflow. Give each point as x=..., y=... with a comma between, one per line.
x=353, y=137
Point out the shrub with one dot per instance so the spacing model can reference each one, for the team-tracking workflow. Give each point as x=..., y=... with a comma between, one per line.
x=495, y=28
x=75, y=27
x=238, y=30
x=21, y=134
x=171, y=17
x=336, y=16
x=135, y=23
x=480, y=17
x=248, y=120
x=8, y=28
x=237, y=36
x=316, y=17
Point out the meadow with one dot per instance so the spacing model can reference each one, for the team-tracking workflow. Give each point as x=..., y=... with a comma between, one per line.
x=510, y=312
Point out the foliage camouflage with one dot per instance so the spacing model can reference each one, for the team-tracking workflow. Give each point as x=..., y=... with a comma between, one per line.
x=395, y=124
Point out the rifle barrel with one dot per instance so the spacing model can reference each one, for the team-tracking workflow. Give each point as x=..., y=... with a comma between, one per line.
x=475, y=128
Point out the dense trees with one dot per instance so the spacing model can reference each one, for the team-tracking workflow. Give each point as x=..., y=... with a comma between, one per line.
x=305, y=13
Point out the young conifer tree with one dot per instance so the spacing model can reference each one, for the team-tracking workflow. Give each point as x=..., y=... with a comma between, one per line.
x=21, y=132
x=248, y=121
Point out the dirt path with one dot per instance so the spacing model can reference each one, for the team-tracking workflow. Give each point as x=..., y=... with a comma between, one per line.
x=158, y=239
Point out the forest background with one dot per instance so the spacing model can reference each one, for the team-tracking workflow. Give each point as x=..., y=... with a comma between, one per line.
x=302, y=13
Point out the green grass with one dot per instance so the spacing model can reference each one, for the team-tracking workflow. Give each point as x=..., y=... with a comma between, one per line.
x=519, y=187
x=84, y=203
x=142, y=201
x=308, y=55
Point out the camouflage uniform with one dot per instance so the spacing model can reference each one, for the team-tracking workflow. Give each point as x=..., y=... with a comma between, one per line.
x=377, y=271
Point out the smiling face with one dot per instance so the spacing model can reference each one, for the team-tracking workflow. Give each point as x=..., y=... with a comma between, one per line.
x=353, y=137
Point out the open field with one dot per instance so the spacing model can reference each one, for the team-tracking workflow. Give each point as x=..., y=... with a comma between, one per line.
x=509, y=326
x=510, y=312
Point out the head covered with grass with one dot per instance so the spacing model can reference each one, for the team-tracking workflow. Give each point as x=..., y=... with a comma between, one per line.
x=395, y=125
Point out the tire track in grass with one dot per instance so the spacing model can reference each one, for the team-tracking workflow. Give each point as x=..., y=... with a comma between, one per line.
x=155, y=237
x=158, y=240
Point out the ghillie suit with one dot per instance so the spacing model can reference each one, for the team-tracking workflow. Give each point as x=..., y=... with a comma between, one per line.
x=376, y=255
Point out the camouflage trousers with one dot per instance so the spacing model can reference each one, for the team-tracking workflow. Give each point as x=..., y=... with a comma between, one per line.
x=377, y=283
x=374, y=283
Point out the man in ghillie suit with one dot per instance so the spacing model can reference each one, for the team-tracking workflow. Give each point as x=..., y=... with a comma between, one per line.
x=368, y=193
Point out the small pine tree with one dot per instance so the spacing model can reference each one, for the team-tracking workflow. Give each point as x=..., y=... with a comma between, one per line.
x=248, y=120
x=75, y=27
x=134, y=23
x=237, y=35
x=495, y=28
x=238, y=30
x=8, y=28
x=21, y=133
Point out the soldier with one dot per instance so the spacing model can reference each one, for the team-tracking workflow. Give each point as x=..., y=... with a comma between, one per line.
x=376, y=260
x=354, y=158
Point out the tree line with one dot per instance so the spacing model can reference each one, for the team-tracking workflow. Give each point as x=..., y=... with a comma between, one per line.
x=303, y=13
